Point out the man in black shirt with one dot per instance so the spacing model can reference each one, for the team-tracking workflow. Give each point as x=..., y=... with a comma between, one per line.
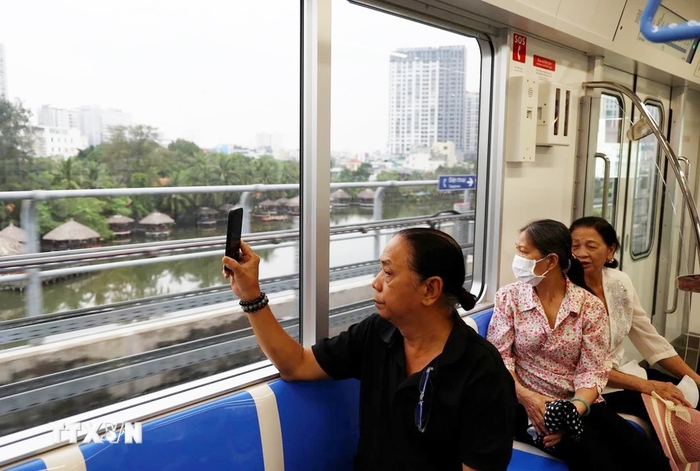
x=434, y=395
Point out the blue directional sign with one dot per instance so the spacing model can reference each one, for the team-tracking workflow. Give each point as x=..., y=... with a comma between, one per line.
x=456, y=182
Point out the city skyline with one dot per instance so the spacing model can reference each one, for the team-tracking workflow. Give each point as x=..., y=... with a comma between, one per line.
x=237, y=78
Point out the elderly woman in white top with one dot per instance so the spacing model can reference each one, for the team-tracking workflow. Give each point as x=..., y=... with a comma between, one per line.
x=594, y=244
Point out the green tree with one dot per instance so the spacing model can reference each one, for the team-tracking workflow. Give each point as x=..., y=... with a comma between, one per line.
x=388, y=175
x=43, y=173
x=16, y=140
x=176, y=205
x=184, y=148
x=135, y=150
x=87, y=211
x=360, y=175
x=68, y=176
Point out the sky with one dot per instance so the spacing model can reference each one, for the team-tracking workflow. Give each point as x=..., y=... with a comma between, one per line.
x=209, y=71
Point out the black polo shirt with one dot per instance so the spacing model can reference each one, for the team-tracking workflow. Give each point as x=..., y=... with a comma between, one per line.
x=471, y=399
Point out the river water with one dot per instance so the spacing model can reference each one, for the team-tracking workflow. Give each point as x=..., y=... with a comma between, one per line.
x=125, y=284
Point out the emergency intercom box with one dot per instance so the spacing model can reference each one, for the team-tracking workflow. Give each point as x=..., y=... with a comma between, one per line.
x=521, y=122
x=555, y=111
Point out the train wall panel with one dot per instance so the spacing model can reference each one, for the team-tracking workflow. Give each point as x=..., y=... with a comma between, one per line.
x=543, y=189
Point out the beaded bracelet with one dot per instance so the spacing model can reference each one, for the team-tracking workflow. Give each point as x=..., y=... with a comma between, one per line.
x=584, y=402
x=256, y=304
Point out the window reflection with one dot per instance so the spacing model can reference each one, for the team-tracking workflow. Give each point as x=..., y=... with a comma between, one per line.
x=610, y=144
x=645, y=184
x=405, y=108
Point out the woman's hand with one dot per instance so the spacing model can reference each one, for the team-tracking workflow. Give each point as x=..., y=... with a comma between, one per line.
x=667, y=391
x=553, y=438
x=535, y=405
x=244, y=282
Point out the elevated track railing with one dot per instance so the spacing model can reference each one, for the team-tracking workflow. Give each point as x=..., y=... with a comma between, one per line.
x=25, y=268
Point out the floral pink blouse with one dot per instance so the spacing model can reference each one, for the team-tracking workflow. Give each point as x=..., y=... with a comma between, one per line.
x=555, y=361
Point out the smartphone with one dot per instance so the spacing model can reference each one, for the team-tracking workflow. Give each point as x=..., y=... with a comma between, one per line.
x=233, y=235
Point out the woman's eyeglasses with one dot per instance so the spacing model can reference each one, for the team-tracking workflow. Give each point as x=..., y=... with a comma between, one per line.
x=423, y=408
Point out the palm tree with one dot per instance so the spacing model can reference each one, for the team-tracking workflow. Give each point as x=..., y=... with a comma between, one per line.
x=177, y=204
x=68, y=177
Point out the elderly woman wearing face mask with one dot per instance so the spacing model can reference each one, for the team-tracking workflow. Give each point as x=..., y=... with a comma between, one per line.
x=594, y=244
x=551, y=333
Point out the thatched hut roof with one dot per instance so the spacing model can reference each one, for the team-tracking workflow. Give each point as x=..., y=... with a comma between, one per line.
x=281, y=201
x=267, y=203
x=340, y=194
x=13, y=232
x=119, y=219
x=71, y=230
x=366, y=194
x=226, y=207
x=292, y=202
x=156, y=218
x=206, y=210
x=9, y=246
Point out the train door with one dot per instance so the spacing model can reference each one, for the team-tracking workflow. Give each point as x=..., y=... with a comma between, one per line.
x=638, y=226
x=621, y=174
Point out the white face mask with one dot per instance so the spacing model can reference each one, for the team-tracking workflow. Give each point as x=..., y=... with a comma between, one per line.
x=524, y=270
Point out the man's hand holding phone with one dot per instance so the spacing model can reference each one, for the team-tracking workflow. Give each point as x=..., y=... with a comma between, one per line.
x=243, y=273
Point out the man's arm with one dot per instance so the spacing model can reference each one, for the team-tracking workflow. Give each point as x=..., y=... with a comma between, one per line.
x=293, y=361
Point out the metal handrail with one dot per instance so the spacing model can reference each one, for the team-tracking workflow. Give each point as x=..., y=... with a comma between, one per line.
x=663, y=34
x=670, y=154
x=606, y=182
x=158, y=249
x=680, y=237
x=43, y=195
x=28, y=265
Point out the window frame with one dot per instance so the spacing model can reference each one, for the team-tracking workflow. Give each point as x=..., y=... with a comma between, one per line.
x=649, y=103
x=490, y=131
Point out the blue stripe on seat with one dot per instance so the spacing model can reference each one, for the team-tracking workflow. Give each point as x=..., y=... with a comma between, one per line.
x=524, y=461
x=320, y=423
x=221, y=434
x=482, y=320
x=638, y=427
x=33, y=465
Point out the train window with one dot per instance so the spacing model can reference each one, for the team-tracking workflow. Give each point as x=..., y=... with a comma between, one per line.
x=405, y=110
x=609, y=150
x=645, y=186
x=144, y=98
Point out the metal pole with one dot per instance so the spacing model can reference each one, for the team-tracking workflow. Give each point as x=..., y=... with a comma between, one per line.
x=34, y=292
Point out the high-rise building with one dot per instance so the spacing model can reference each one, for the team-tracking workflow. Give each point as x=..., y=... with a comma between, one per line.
x=95, y=123
x=57, y=117
x=3, y=74
x=427, y=98
x=471, y=125
x=50, y=141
